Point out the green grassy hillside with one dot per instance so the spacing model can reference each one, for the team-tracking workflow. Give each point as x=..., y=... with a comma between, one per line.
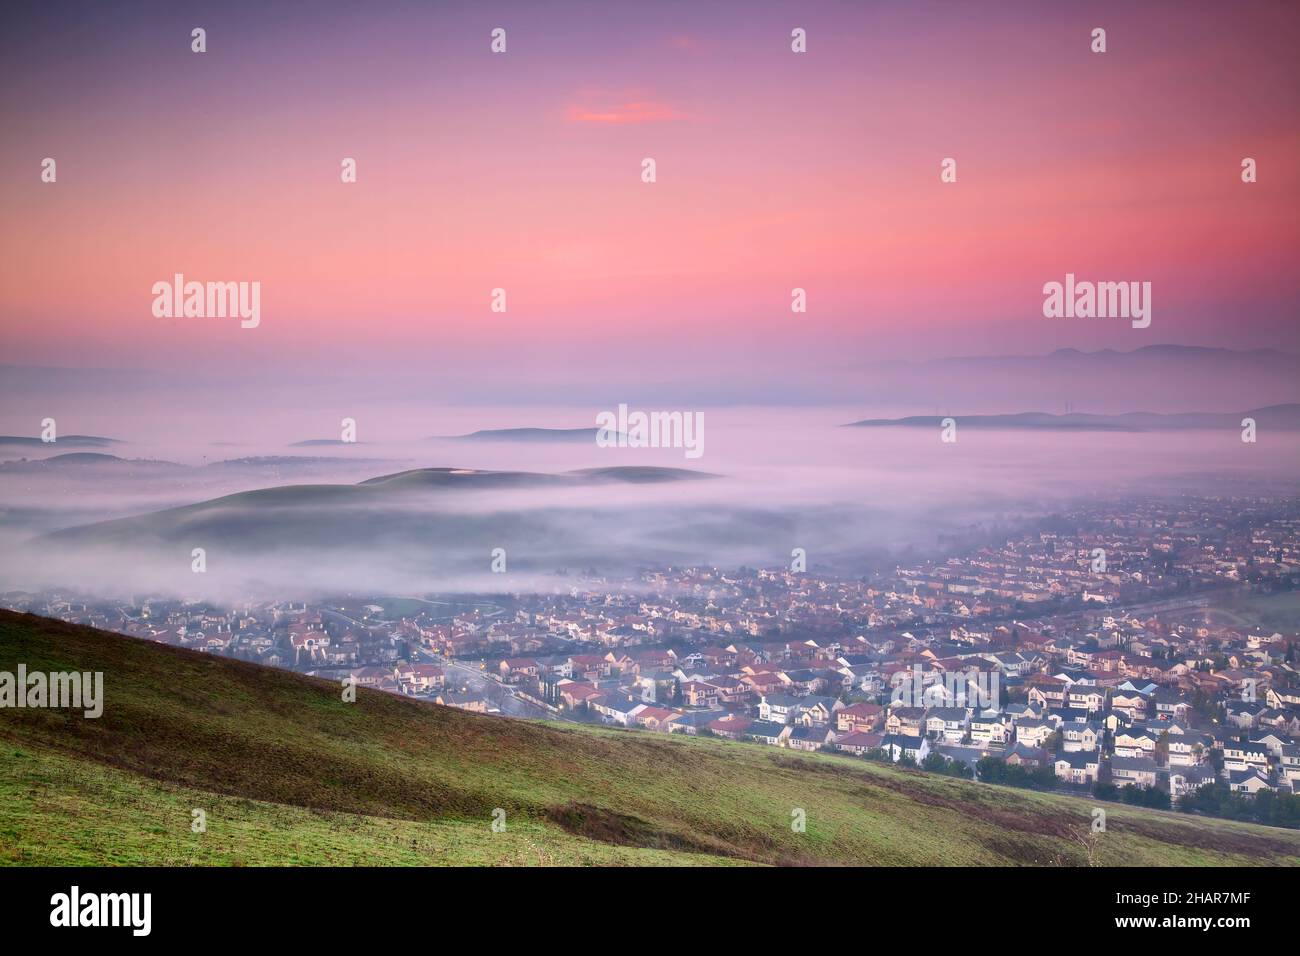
x=288, y=773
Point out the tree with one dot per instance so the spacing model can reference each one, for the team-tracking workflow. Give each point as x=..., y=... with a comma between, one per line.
x=1105, y=791
x=937, y=763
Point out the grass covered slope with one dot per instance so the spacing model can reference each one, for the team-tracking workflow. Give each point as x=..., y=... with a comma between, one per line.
x=289, y=773
x=57, y=810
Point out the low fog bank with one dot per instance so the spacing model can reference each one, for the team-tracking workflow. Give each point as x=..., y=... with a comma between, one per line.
x=804, y=371
x=855, y=499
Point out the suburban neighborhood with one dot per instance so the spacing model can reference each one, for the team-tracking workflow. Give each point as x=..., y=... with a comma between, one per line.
x=1105, y=661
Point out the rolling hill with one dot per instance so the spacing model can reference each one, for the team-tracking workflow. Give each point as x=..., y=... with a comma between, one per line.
x=474, y=479
x=412, y=530
x=393, y=490
x=531, y=435
x=88, y=460
x=287, y=773
x=67, y=441
x=326, y=514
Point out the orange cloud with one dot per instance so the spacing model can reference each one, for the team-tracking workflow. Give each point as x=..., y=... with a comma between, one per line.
x=627, y=112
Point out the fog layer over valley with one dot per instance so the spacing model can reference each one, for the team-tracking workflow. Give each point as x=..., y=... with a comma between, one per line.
x=405, y=513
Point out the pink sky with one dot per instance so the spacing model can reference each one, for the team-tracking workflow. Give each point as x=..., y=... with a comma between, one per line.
x=521, y=171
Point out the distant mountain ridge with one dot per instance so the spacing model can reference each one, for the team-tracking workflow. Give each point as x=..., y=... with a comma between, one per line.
x=1163, y=351
x=1285, y=417
x=1164, y=379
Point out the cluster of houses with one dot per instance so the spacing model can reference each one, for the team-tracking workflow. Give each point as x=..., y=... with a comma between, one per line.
x=1240, y=726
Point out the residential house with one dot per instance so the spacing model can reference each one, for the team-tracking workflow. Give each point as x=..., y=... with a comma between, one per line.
x=1136, y=741
x=1189, y=750
x=1048, y=692
x=1187, y=779
x=778, y=708
x=1170, y=705
x=989, y=728
x=858, y=742
x=515, y=669
x=1283, y=697
x=862, y=717
x=947, y=723
x=768, y=732
x=651, y=717
x=1032, y=733
x=1081, y=767
x=1244, y=714
x=1023, y=755
x=589, y=667
x=1241, y=756
x=1289, y=769
x=1129, y=703
x=1084, y=697
x=808, y=738
x=732, y=726
x=615, y=707
x=1078, y=735
x=897, y=746
x=1130, y=771
x=576, y=694
x=700, y=694
x=420, y=678
x=1249, y=781
x=905, y=721
x=816, y=711
x=1271, y=741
